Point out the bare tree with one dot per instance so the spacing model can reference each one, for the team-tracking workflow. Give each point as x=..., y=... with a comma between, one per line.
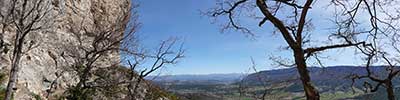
x=99, y=37
x=381, y=30
x=262, y=80
x=4, y=22
x=162, y=57
x=293, y=26
x=386, y=82
x=245, y=87
x=374, y=55
x=385, y=56
x=24, y=17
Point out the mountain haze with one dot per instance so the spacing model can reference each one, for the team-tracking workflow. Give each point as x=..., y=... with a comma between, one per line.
x=281, y=83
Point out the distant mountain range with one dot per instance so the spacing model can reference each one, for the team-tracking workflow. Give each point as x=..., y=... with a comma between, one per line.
x=328, y=80
x=199, y=79
x=332, y=78
x=317, y=74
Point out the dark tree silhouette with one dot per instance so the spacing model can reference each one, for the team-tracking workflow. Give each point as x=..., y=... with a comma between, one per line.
x=380, y=30
x=165, y=55
x=292, y=26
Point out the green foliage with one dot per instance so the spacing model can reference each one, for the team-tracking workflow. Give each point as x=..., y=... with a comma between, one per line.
x=156, y=93
x=80, y=68
x=36, y=96
x=337, y=95
x=2, y=93
x=77, y=93
x=2, y=77
x=4, y=47
x=2, y=89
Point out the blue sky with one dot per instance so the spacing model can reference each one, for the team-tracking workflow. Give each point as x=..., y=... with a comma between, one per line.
x=209, y=50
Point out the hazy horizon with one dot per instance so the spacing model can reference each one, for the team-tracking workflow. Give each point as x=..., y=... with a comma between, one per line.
x=249, y=72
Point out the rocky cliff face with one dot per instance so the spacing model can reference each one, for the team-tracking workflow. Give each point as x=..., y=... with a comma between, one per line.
x=50, y=53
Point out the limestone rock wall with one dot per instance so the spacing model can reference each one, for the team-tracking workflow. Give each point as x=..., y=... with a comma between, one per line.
x=42, y=67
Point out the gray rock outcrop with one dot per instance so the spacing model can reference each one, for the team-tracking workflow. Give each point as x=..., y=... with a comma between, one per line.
x=48, y=57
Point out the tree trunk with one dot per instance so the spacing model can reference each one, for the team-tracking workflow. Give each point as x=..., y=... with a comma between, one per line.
x=389, y=90
x=12, y=80
x=17, y=54
x=310, y=92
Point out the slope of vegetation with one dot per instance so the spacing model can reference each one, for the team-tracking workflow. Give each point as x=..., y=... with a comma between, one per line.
x=2, y=88
x=331, y=81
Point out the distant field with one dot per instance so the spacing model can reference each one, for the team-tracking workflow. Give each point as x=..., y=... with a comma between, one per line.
x=331, y=83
